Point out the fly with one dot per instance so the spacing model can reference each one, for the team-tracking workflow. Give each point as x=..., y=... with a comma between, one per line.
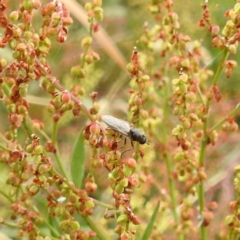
x=124, y=128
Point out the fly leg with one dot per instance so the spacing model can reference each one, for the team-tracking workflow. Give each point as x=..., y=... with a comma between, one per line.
x=127, y=149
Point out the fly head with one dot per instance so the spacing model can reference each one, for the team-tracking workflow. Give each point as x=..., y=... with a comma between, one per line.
x=137, y=135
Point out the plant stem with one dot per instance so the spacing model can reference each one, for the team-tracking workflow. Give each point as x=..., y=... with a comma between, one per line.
x=109, y=207
x=86, y=49
x=95, y=227
x=54, y=134
x=201, y=196
x=171, y=184
x=57, y=84
x=232, y=113
x=4, y=148
x=6, y=196
x=59, y=162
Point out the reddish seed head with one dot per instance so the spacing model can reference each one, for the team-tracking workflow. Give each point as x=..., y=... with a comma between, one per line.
x=112, y=146
x=233, y=205
x=213, y=205
x=202, y=174
x=94, y=128
x=199, y=134
x=131, y=162
x=133, y=181
x=87, y=128
x=139, y=101
x=67, y=21
x=50, y=147
x=56, y=117
x=56, y=193
x=37, y=124
x=201, y=23
x=93, y=95
x=234, y=127
x=124, y=236
x=214, y=29
x=228, y=73
x=207, y=216
x=37, y=4
x=16, y=155
x=66, y=96
x=103, y=142
x=217, y=41
x=95, y=56
x=135, y=220
x=27, y=17
x=93, y=140
x=186, y=214
x=61, y=37
x=96, y=28
x=169, y=3
x=16, y=119
x=230, y=64
x=90, y=13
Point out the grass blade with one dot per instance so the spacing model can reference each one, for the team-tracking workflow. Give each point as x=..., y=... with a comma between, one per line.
x=78, y=160
x=149, y=227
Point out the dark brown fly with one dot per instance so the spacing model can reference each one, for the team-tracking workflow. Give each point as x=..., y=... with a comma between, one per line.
x=124, y=128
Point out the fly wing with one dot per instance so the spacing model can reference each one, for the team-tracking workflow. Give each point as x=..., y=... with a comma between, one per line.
x=117, y=125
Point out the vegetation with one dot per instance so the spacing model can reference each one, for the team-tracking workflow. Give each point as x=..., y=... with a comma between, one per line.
x=65, y=175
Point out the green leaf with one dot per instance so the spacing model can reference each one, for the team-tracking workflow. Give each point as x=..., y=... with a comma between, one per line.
x=78, y=160
x=149, y=227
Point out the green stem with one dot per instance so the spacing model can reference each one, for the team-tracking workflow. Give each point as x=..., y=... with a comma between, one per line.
x=109, y=207
x=171, y=184
x=59, y=162
x=6, y=196
x=200, y=96
x=27, y=122
x=44, y=134
x=220, y=66
x=54, y=133
x=57, y=155
x=232, y=113
x=4, y=148
x=3, y=138
x=52, y=229
x=13, y=225
x=201, y=200
x=95, y=227
x=201, y=196
x=86, y=49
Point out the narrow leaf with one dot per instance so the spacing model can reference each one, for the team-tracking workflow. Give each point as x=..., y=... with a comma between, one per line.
x=78, y=160
x=149, y=227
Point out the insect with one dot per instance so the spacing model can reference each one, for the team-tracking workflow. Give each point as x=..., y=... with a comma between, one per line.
x=124, y=128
